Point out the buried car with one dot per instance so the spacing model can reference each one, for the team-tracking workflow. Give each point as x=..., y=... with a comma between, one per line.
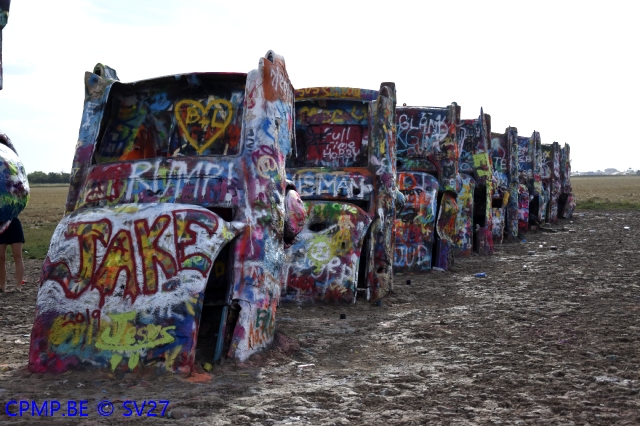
x=551, y=180
x=475, y=165
x=504, y=209
x=567, y=201
x=426, y=228
x=176, y=223
x=344, y=168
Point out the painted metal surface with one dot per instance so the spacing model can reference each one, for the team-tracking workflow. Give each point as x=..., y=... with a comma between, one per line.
x=512, y=207
x=124, y=286
x=537, y=195
x=427, y=145
x=14, y=186
x=344, y=165
x=523, y=208
x=179, y=205
x=567, y=202
x=551, y=181
x=526, y=167
x=475, y=160
x=504, y=212
x=415, y=224
x=464, y=219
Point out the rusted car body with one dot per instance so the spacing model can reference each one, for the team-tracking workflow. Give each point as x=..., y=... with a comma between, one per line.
x=567, y=202
x=504, y=210
x=475, y=162
x=426, y=229
x=174, y=238
x=344, y=166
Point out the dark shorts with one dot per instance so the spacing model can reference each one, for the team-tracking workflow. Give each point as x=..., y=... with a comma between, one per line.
x=13, y=234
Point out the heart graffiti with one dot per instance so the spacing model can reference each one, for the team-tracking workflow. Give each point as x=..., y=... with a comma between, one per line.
x=197, y=117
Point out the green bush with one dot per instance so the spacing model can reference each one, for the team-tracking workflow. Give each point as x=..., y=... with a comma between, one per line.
x=52, y=177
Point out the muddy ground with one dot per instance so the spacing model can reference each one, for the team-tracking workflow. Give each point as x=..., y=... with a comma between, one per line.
x=545, y=338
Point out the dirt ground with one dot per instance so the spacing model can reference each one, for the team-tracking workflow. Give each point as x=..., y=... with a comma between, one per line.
x=551, y=337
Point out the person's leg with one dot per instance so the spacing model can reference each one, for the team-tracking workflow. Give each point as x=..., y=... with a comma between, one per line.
x=3, y=269
x=16, y=250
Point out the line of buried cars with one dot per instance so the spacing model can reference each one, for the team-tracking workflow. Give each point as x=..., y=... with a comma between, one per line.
x=198, y=202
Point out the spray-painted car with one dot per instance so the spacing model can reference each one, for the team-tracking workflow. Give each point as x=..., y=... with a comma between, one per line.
x=504, y=209
x=344, y=168
x=567, y=202
x=426, y=229
x=526, y=167
x=14, y=186
x=475, y=163
x=537, y=195
x=551, y=182
x=174, y=240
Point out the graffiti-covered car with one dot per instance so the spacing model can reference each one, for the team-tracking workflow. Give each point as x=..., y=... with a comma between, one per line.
x=14, y=186
x=567, y=202
x=343, y=166
x=475, y=166
x=174, y=239
x=426, y=229
x=504, y=209
x=551, y=181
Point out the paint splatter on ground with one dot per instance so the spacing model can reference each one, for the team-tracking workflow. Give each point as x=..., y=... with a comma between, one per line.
x=556, y=342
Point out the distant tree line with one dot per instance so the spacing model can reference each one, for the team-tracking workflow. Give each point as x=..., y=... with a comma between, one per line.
x=51, y=177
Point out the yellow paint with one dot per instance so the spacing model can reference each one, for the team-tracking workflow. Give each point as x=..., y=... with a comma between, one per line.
x=505, y=199
x=321, y=251
x=133, y=360
x=480, y=160
x=343, y=239
x=88, y=235
x=115, y=360
x=335, y=114
x=171, y=356
x=118, y=333
x=266, y=165
x=151, y=257
x=197, y=113
x=123, y=335
x=119, y=256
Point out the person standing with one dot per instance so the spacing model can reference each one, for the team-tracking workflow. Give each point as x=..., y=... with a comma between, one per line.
x=13, y=237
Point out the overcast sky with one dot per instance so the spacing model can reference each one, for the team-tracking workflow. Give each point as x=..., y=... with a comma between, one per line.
x=567, y=69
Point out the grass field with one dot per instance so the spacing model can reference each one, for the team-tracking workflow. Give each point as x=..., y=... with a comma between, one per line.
x=607, y=192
